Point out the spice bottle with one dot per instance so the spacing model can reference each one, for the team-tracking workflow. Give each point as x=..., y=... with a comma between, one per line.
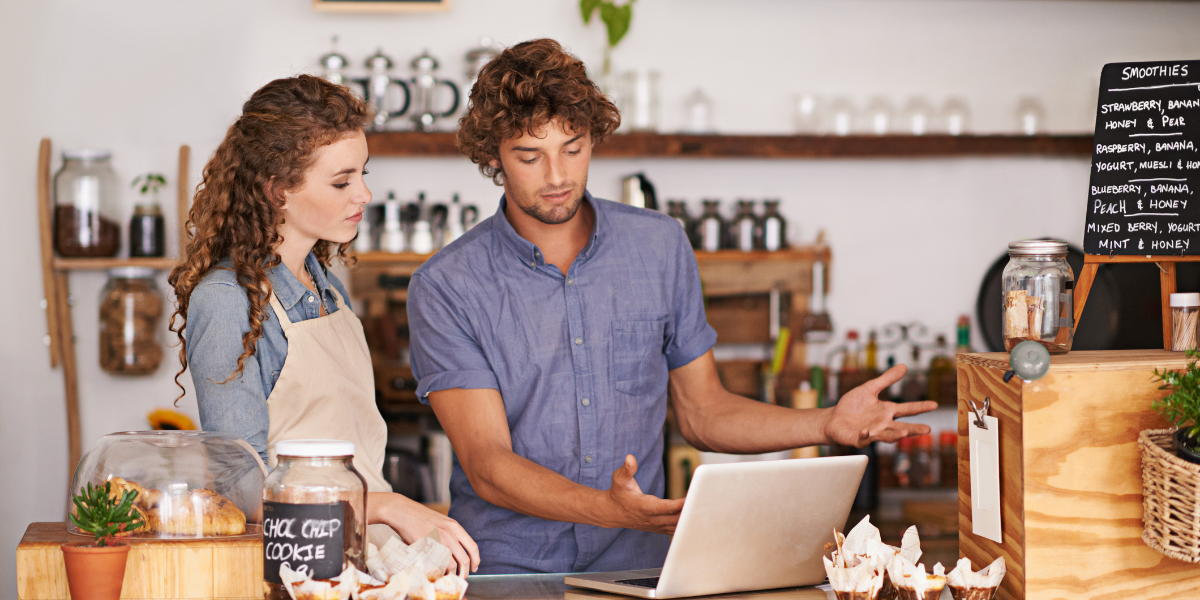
x=314, y=512
x=744, y=228
x=130, y=310
x=710, y=227
x=1185, y=310
x=774, y=227
x=948, y=452
x=84, y=216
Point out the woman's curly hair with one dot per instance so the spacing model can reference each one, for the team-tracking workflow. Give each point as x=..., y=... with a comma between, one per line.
x=521, y=90
x=270, y=147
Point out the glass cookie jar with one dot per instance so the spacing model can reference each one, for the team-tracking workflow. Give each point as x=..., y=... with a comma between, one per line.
x=314, y=513
x=85, y=192
x=1038, y=302
x=131, y=309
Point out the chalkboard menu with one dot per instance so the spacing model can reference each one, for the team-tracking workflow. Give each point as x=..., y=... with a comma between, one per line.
x=1146, y=161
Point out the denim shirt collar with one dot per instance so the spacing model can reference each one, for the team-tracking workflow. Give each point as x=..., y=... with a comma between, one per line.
x=289, y=290
x=528, y=251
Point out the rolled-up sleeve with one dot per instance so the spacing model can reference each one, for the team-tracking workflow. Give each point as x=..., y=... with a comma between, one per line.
x=444, y=352
x=218, y=317
x=688, y=334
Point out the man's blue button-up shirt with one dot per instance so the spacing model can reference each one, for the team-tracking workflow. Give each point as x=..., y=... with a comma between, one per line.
x=580, y=360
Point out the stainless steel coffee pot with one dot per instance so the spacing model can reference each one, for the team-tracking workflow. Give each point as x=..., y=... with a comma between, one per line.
x=478, y=57
x=424, y=84
x=378, y=86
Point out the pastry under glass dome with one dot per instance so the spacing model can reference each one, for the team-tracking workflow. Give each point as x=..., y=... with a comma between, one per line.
x=191, y=484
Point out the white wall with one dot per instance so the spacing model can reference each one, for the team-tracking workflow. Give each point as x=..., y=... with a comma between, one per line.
x=911, y=238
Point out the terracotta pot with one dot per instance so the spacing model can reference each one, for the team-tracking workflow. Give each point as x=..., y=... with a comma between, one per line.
x=95, y=573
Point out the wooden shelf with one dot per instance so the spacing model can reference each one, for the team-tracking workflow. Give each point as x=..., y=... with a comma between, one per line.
x=653, y=145
x=97, y=264
x=377, y=257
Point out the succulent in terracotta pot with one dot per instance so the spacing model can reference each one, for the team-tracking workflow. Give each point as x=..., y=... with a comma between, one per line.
x=95, y=570
x=1181, y=407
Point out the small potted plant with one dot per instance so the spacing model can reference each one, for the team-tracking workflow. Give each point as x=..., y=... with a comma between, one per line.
x=95, y=570
x=1181, y=407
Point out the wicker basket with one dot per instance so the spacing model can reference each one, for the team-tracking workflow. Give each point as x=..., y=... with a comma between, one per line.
x=1170, y=497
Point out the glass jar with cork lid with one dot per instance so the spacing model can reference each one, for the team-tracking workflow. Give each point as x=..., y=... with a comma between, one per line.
x=1038, y=287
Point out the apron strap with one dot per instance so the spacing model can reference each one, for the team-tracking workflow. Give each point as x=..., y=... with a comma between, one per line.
x=280, y=312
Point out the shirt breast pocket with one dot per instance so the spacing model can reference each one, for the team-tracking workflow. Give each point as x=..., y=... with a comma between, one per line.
x=637, y=356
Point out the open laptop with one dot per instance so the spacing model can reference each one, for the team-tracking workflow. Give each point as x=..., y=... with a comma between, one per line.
x=745, y=527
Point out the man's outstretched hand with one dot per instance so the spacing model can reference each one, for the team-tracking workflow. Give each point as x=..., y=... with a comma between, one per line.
x=860, y=417
x=631, y=508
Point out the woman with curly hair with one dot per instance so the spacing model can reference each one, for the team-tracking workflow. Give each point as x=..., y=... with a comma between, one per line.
x=274, y=350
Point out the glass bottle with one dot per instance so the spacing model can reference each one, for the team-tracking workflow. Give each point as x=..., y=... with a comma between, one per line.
x=392, y=238
x=85, y=190
x=710, y=227
x=147, y=231
x=1037, y=300
x=915, y=386
x=744, y=226
x=817, y=327
x=677, y=209
x=943, y=384
x=964, y=335
x=314, y=482
x=131, y=308
x=850, y=356
x=953, y=117
x=903, y=462
x=773, y=228
x=872, y=351
x=948, y=452
x=923, y=473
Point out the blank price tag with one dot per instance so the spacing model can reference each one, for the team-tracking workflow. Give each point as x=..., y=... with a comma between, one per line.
x=985, y=479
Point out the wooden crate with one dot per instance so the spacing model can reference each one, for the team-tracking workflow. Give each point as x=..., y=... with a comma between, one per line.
x=1071, y=486
x=157, y=569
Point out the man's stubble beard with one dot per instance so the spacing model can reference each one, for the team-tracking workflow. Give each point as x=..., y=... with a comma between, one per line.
x=556, y=215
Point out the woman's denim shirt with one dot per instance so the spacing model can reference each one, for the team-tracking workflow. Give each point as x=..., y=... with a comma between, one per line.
x=218, y=317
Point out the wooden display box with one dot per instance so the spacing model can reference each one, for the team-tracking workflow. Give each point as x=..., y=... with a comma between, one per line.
x=157, y=569
x=1071, y=484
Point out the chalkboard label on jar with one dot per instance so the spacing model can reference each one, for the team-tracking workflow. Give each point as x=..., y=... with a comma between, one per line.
x=1146, y=161
x=308, y=538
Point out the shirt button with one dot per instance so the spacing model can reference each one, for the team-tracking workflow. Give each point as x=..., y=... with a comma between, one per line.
x=570, y=282
x=531, y=263
x=310, y=299
x=587, y=459
x=586, y=402
x=578, y=341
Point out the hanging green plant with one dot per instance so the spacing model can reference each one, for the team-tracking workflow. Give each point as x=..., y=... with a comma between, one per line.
x=616, y=19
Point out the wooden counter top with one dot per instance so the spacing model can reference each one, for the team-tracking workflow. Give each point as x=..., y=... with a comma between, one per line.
x=1089, y=361
x=551, y=587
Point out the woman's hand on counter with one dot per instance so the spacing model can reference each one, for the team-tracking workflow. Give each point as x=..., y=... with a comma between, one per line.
x=860, y=417
x=413, y=521
x=634, y=509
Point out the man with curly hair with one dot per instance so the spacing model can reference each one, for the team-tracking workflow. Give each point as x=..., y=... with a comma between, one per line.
x=547, y=337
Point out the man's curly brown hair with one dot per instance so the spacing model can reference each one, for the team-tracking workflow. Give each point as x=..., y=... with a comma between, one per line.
x=520, y=91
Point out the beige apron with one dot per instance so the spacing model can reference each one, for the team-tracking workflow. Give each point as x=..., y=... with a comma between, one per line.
x=326, y=390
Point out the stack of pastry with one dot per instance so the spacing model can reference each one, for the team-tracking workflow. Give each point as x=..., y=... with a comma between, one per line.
x=195, y=512
x=966, y=584
x=858, y=568
x=355, y=584
x=911, y=581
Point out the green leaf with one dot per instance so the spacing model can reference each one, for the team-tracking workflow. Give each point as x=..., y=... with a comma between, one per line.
x=587, y=7
x=616, y=20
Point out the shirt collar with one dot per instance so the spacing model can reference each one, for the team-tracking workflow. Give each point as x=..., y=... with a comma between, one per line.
x=530, y=253
x=289, y=290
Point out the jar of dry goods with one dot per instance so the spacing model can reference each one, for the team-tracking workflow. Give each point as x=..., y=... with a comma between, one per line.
x=1038, y=288
x=314, y=513
x=131, y=309
x=1185, y=312
x=85, y=191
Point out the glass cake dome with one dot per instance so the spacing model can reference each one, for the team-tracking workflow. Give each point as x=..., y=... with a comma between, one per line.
x=190, y=484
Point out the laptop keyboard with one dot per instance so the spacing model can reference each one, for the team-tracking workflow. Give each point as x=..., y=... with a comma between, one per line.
x=646, y=582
